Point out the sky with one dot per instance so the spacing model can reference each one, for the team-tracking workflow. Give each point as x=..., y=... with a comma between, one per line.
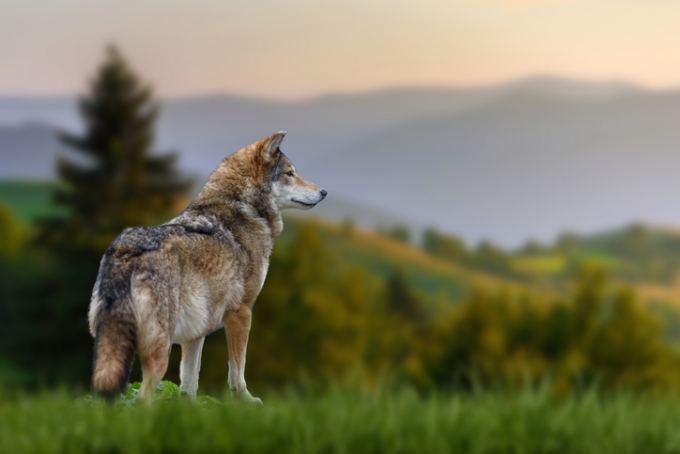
x=300, y=48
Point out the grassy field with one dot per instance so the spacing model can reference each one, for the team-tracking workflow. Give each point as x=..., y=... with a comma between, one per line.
x=342, y=421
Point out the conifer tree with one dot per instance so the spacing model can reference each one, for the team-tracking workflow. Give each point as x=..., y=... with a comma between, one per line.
x=116, y=183
x=120, y=183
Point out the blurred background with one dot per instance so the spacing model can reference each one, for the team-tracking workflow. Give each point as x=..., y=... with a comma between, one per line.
x=503, y=200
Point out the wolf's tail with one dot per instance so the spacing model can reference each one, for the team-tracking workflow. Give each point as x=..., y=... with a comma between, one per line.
x=114, y=349
x=114, y=327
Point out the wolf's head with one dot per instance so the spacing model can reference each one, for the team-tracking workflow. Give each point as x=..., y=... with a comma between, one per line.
x=261, y=176
x=288, y=188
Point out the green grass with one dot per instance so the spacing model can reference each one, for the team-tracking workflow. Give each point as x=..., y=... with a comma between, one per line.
x=346, y=421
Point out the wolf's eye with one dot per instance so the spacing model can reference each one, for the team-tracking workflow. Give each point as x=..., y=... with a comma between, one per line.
x=289, y=173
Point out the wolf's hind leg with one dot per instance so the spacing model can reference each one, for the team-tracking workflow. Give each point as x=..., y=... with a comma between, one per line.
x=237, y=325
x=154, y=360
x=189, y=367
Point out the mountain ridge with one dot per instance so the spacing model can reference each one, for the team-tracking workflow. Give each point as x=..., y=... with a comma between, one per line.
x=526, y=159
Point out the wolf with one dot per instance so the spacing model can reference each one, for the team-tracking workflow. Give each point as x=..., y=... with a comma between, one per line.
x=182, y=280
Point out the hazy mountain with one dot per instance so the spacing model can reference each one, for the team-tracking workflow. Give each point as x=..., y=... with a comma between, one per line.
x=55, y=111
x=27, y=151
x=524, y=165
x=205, y=129
x=528, y=158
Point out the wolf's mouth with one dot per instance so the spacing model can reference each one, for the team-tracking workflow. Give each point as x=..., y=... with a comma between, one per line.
x=310, y=205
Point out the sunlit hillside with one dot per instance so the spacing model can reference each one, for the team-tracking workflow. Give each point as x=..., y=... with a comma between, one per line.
x=644, y=257
x=438, y=279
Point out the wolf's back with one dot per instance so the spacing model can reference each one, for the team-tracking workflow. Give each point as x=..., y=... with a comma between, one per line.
x=113, y=324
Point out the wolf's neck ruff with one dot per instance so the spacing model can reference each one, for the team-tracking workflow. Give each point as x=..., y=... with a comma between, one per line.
x=240, y=189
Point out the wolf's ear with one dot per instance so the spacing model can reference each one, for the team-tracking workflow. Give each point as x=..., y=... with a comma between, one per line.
x=270, y=148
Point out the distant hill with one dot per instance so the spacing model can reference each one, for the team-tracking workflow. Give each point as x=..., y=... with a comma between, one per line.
x=436, y=280
x=645, y=257
x=28, y=151
x=522, y=166
x=207, y=128
x=58, y=111
x=509, y=162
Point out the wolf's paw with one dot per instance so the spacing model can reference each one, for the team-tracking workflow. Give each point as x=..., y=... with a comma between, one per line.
x=246, y=397
x=187, y=395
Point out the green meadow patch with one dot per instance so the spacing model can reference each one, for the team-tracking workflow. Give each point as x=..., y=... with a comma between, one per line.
x=29, y=199
x=345, y=421
x=166, y=391
x=531, y=265
x=604, y=261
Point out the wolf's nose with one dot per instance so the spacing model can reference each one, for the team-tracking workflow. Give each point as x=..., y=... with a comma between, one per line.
x=323, y=193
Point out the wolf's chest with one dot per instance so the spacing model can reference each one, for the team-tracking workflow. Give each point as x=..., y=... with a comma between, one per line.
x=201, y=310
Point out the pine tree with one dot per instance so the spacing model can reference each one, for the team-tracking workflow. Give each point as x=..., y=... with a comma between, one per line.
x=117, y=183
x=121, y=184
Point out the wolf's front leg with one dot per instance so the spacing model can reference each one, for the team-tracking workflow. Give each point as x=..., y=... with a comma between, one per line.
x=237, y=325
x=189, y=367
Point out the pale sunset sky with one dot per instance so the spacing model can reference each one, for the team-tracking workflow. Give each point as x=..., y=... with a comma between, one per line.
x=301, y=48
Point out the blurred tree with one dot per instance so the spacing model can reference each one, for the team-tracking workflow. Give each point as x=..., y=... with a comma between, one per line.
x=12, y=235
x=444, y=246
x=404, y=311
x=558, y=332
x=474, y=341
x=122, y=184
x=589, y=299
x=533, y=247
x=491, y=258
x=628, y=347
x=636, y=241
x=398, y=232
x=567, y=243
x=399, y=296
